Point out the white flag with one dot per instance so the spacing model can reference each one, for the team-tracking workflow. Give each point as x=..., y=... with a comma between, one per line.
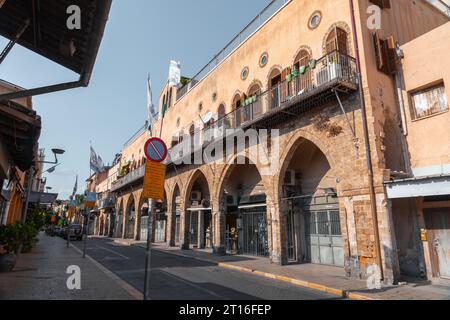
x=174, y=74
x=152, y=116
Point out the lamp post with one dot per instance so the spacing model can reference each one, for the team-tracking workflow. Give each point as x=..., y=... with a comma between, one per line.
x=56, y=152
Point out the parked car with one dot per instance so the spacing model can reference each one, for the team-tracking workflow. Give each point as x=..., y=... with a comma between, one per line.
x=75, y=232
x=55, y=231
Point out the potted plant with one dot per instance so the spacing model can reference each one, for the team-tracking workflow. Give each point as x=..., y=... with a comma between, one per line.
x=10, y=244
x=302, y=69
x=312, y=63
x=289, y=77
x=295, y=73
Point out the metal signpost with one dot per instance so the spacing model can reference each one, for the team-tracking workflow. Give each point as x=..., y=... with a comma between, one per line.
x=156, y=152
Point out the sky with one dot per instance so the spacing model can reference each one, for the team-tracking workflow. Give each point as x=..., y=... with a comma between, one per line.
x=141, y=37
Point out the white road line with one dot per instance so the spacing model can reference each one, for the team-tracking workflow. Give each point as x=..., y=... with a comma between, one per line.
x=136, y=294
x=196, y=286
x=116, y=253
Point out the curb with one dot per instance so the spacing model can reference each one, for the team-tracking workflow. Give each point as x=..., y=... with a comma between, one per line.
x=297, y=282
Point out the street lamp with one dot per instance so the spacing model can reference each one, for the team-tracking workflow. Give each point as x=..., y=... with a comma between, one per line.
x=56, y=152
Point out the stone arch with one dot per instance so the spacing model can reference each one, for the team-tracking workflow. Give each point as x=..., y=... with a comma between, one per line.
x=270, y=74
x=302, y=48
x=344, y=26
x=221, y=110
x=291, y=145
x=254, y=84
x=191, y=181
x=130, y=217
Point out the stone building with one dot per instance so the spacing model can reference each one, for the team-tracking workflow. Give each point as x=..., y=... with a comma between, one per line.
x=292, y=75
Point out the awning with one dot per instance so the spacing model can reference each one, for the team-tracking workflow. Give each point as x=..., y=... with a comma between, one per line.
x=199, y=209
x=43, y=198
x=250, y=206
x=20, y=128
x=47, y=33
x=418, y=187
x=42, y=27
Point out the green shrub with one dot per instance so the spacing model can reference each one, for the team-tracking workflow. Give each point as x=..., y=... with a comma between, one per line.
x=17, y=235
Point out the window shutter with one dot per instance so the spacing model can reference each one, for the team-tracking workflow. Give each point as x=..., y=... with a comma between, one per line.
x=383, y=4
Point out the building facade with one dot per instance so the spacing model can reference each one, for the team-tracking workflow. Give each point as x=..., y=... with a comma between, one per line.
x=289, y=85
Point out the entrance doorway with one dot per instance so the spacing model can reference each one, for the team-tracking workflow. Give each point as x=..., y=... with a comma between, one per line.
x=437, y=222
x=324, y=237
x=160, y=227
x=193, y=228
x=254, y=239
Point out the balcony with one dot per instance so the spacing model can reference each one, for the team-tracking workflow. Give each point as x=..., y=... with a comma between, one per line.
x=128, y=179
x=302, y=91
x=107, y=202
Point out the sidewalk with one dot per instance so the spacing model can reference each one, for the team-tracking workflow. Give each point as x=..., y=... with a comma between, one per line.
x=41, y=275
x=324, y=278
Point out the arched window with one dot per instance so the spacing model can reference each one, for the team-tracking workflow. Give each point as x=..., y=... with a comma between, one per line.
x=254, y=92
x=275, y=88
x=337, y=41
x=304, y=80
x=237, y=112
x=192, y=130
x=221, y=111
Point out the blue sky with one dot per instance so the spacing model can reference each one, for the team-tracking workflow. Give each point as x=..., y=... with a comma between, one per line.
x=141, y=37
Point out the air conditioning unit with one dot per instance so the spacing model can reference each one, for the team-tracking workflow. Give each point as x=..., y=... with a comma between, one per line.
x=231, y=201
x=289, y=178
x=196, y=196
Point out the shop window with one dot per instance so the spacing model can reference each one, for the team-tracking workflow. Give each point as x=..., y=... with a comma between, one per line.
x=429, y=101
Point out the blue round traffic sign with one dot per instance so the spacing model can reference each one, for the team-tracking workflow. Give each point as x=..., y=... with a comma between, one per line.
x=155, y=150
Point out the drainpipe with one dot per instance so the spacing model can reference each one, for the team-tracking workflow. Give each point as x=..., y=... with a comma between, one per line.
x=367, y=144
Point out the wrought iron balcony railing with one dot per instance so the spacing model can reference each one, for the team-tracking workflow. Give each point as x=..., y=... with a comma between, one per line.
x=333, y=71
x=133, y=176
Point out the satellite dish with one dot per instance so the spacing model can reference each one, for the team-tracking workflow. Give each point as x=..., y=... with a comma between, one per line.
x=207, y=117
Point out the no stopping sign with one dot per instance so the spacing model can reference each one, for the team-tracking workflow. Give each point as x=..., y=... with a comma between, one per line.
x=155, y=150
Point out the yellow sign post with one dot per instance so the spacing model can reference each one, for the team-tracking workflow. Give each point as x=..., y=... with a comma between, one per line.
x=155, y=176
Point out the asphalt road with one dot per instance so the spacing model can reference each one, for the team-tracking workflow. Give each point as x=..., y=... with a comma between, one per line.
x=178, y=278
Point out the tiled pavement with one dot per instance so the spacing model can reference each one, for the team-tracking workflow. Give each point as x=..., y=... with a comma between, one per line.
x=325, y=278
x=41, y=275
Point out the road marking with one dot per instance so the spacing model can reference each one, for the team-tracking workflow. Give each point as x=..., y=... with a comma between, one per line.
x=116, y=253
x=132, y=291
x=196, y=286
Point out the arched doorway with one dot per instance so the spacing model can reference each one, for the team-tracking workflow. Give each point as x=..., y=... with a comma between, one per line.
x=119, y=221
x=310, y=207
x=131, y=219
x=243, y=196
x=199, y=213
x=237, y=111
x=160, y=221
x=143, y=225
x=176, y=214
x=275, y=88
x=304, y=80
x=254, y=92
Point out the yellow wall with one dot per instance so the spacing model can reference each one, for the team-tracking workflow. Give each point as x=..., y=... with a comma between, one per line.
x=429, y=138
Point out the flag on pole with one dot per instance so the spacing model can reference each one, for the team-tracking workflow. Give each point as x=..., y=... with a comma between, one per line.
x=75, y=188
x=152, y=112
x=96, y=162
